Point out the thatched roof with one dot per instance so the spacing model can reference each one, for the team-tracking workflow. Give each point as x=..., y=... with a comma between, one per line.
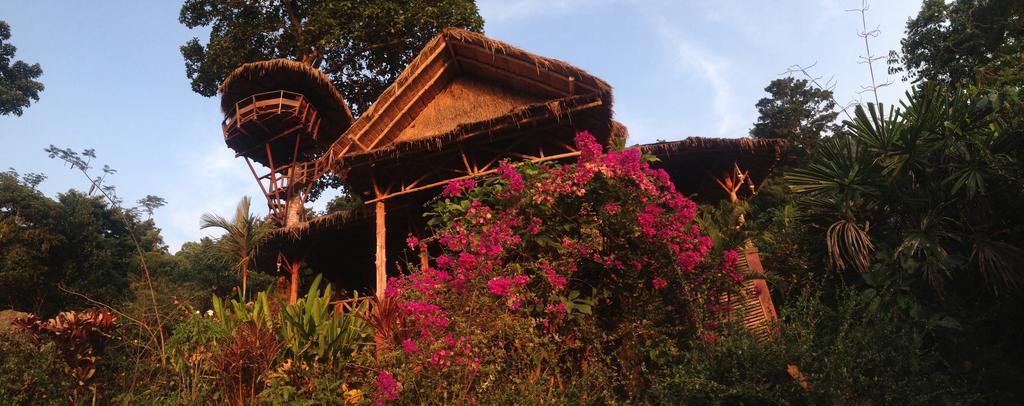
x=713, y=146
x=693, y=162
x=556, y=110
x=303, y=229
x=463, y=80
x=283, y=74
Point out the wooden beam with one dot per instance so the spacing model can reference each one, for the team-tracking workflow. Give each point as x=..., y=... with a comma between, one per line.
x=381, y=260
x=381, y=198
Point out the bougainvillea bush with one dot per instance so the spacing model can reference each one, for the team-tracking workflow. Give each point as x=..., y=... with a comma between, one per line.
x=550, y=283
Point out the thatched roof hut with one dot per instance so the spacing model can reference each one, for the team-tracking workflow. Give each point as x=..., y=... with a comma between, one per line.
x=465, y=101
x=271, y=85
x=462, y=105
x=458, y=84
x=695, y=163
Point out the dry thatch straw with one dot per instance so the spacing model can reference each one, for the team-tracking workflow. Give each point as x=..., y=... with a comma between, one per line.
x=461, y=80
x=303, y=229
x=695, y=162
x=704, y=145
x=283, y=74
x=554, y=111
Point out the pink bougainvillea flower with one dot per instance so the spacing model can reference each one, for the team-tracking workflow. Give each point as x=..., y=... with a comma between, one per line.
x=456, y=188
x=412, y=241
x=658, y=283
x=557, y=281
x=500, y=286
x=409, y=346
x=515, y=179
x=387, y=386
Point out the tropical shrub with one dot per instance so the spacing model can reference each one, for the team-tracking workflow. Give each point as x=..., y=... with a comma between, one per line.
x=241, y=365
x=921, y=207
x=546, y=283
x=847, y=353
x=272, y=351
x=79, y=338
x=314, y=331
x=30, y=370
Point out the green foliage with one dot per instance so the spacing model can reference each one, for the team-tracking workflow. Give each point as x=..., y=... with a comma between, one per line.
x=964, y=42
x=243, y=235
x=30, y=371
x=797, y=112
x=344, y=202
x=18, y=84
x=314, y=332
x=921, y=206
x=933, y=186
x=791, y=254
x=192, y=347
x=847, y=353
x=362, y=45
x=76, y=242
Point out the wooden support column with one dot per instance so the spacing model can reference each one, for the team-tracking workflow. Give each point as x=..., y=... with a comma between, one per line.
x=293, y=288
x=424, y=259
x=382, y=275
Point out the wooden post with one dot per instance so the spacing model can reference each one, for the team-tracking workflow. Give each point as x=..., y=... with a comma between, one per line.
x=293, y=291
x=424, y=259
x=382, y=275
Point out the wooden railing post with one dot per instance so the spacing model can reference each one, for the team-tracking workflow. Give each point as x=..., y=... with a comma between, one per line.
x=381, y=259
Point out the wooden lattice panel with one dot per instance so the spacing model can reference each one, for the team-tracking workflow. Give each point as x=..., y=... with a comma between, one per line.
x=753, y=306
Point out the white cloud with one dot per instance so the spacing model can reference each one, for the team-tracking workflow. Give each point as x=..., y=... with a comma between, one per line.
x=504, y=10
x=691, y=59
x=215, y=182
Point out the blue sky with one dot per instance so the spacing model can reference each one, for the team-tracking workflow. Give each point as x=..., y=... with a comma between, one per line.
x=115, y=81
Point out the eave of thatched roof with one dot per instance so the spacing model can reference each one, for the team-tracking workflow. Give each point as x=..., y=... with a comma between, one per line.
x=283, y=74
x=704, y=145
x=455, y=54
x=336, y=220
x=694, y=163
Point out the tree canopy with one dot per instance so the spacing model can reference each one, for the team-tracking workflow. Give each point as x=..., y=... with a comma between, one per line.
x=795, y=111
x=75, y=241
x=362, y=45
x=959, y=42
x=18, y=84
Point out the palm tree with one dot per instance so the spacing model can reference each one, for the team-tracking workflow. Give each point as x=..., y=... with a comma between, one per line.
x=244, y=233
x=935, y=184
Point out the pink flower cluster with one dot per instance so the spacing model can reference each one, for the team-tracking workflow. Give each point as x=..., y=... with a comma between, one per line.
x=456, y=188
x=502, y=286
x=514, y=179
x=387, y=387
x=608, y=223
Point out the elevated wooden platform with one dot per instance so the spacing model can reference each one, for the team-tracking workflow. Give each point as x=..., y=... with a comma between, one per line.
x=272, y=128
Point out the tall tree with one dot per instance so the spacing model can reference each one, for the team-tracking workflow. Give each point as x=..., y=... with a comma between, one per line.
x=75, y=242
x=964, y=41
x=797, y=112
x=244, y=233
x=361, y=44
x=18, y=85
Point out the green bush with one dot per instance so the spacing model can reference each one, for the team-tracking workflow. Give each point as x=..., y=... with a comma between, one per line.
x=847, y=353
x=30, y=371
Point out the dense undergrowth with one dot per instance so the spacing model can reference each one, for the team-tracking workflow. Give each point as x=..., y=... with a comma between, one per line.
x=584, y=283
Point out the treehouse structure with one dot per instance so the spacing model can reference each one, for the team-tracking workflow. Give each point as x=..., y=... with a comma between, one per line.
x=464, y=104
x=282, y=115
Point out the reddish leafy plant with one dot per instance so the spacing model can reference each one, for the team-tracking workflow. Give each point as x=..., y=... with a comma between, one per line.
x=80, y=338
